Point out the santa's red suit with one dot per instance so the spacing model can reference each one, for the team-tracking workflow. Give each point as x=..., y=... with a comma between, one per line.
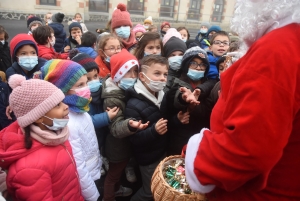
x=252, y=151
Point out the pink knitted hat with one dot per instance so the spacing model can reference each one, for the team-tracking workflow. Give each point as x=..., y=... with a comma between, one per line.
x=170, y=33
x=139, y=28
x=120, y=17
x=32, y=99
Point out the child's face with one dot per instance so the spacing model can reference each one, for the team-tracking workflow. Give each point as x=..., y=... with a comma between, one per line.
x=78, y=18
x=166, y=28
x=147, y=24
x=153, y=47
x=197, y=64
x=26, y=50
x=112, y=47
x=60, y=111
x=48, y=17
x=138, y=35
x=221, y=67
x=92, y=75
x=132, y=73
x=184, y=34
x=155, y=72
x=82, y=82
x=34, y=26
x=76, y=32
x=218, y=48
x=176, y=53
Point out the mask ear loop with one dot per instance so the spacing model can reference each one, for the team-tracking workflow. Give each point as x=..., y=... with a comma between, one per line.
x=141, y=38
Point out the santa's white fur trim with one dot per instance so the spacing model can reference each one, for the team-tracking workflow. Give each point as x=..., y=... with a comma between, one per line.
x=191, y=153
x=124, y=69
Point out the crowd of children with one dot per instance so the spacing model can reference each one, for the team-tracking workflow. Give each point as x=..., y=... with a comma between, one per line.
x=75, y=106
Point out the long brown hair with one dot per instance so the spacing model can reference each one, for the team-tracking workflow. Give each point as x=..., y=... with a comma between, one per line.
x=142, y=43
x=28, y=140
x=103, y=41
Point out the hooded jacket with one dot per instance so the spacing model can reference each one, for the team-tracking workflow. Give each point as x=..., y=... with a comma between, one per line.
x=60, y=36
x=5, y=58
x=49, y=53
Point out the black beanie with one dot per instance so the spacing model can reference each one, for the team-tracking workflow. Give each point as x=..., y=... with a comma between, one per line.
x=86, y=62
x=74, y=24
x=58, y=17
x=32, y=20
x=174, y=44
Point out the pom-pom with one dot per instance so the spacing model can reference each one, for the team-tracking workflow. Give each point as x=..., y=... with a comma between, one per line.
x=121, y=6
x=16, y=80
x=73, y=53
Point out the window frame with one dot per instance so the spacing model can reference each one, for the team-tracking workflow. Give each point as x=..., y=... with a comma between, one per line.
x=218, y=12
x=48, y=4
x=196, y=10
x=163, y=5
x=134, y=11
x=95, y=10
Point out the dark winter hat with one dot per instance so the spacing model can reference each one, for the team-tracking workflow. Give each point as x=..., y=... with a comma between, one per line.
x=213, y=28
x=74, y=24
x=32, y=20
x=174, y=44
x=164, y=24
x=87, y=62
x=58, y=17
x=190, y=54
x=20, y=40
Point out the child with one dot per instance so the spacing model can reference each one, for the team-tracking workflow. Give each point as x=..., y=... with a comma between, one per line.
x=74, y=39
x=148, y=22
x=45, y=39
x=24, y=53
x=4, y=95
x=88, y=42
x=78, y=18
x=71, y=78
x=35, y=149
x=124, y=67
x=205, y=41
x=109, y=45
x=59, y=31
x=184, y=33
x=170, y=33
x=144, y=104
x=48, y=18
x=204, y=26
x=164, y=27
x=138, y=31
x=33, y=22
x=121, y=26
x=5, y=58
x=149, y=43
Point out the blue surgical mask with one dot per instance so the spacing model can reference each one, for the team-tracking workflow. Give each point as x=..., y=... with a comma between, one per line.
x=123, y=31
x=126, y=83
x=195, y=74
x=107, y=58
x=94, y=85
x=147, y=54
x=58, y=124
x=28, y=62
x=175, y=62
x=3, y=42
x=203, y=31
x=184, y=40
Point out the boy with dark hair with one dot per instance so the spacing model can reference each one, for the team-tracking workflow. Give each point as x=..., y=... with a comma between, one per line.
x=88, y=42
x=45, y=39
x=74, y=39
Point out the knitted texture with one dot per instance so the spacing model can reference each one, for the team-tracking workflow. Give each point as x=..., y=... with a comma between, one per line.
x=32, y=20
x=192, y=53
x=32, y=99
x=73, y=25
x=87, y=62
x=120, y=17
x=170, y=33
x=121, y=63
x=172, y=45
x=62, y=73
x=206, y=24
x=164, y=24
x=58, y=17
x=20, y=40
x=148, y=20
x=214, y=28
x=139, y=28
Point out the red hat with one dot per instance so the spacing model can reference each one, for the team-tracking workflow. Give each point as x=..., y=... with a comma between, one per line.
x=121, y=63
x=120, y=17
x=164, y=24
x=20, y=40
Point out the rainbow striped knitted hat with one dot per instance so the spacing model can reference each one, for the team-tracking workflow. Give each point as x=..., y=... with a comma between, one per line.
x=62, y=73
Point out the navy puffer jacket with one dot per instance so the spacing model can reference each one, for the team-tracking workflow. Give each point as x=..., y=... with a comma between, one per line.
x=60, y=36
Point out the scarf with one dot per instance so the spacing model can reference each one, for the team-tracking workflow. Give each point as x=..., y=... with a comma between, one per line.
x=48, y=137
x=77, y=104
x=130, y=42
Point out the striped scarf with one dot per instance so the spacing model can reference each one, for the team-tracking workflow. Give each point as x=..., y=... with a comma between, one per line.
x=77, y=104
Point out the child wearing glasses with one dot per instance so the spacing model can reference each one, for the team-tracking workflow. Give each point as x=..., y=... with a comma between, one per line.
x=185, y=119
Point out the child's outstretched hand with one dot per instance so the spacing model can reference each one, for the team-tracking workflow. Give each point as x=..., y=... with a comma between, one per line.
x=190, y=97
x=112, y=112
x=161, y=126
x=184, y=118
x=138, y=124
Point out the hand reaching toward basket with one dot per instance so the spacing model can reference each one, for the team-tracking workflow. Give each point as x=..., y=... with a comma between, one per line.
x=161, y=126
x=184, y=117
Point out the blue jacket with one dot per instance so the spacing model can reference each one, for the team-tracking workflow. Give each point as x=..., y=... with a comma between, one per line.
x=88, y=50
x=60, y=36
x=213, y=72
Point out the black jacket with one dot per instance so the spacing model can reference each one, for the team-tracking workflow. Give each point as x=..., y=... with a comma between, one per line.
x=148, y=146
x=5, y=58
x=60, y=36
x=4, y=96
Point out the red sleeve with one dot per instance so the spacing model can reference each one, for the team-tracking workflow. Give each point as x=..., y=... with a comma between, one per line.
x=63, y=55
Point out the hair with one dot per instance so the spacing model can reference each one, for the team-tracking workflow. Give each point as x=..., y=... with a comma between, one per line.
x=2, y=30
x=103, y=41
x=234, y=46
x=219, y=33
x=183, y=28
x=77, y=14
x=151, y=27
x=42, y=33
x=144, y=40
x=108, y=26
x=88, y=39
x=45, y=19
x=146, y=62
x=75, y=28
x=28, y=140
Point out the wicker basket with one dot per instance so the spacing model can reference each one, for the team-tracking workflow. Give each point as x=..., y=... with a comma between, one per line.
x=162, y=191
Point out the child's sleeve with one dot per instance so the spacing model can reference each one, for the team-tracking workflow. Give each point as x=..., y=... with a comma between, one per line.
x=100, y=120
x=206, y=87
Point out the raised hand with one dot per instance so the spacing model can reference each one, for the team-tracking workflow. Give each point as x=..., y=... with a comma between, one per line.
x=161, y=126
x=138, y=124
x=184, y=118
x=112, y=112
x=78, y=39
x=189, y=96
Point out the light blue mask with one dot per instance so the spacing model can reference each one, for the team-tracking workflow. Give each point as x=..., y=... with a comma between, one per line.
x=195, y=74
x=175, y=62
x=107, y=59
x=184, y=40
x=147, y=54
x=123, y=31
x=94, y=85
x=125, y=83
x=28, y=62
x=203, y=31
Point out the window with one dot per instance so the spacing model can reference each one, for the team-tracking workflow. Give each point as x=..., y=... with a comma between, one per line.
x=48, y=2
x=194, y=10
x=135, y=7
x=98, y=5
x=167, y=8
x=218, y=11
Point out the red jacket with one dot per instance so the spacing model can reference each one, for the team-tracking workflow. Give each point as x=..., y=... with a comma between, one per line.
x=40, y=173
x=103, y=69
x=49, y=53
x=252, y=150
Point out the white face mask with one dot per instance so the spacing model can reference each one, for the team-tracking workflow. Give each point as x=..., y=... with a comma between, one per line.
x=2, y=41
x=58, y=124
x=52, y=43
x=155, y=86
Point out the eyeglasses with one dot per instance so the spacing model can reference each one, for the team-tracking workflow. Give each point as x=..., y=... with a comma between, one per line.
x=194, y=65
x=217, y=42
x=113, y=50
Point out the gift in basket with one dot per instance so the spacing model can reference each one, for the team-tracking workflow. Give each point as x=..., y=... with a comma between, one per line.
x=169, y=182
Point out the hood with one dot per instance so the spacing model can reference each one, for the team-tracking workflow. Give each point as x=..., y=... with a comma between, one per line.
x=12, y=146
x=111, y=90
x=18, y=41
